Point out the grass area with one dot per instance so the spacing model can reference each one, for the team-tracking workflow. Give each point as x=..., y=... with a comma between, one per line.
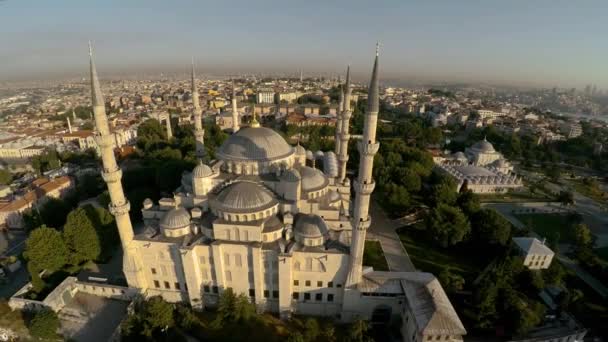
x=428, y=257
x=516, y=197
x=550, y=226
x=594, y=193
x=374, y=256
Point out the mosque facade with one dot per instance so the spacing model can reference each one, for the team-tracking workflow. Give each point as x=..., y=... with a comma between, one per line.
x=276, y=223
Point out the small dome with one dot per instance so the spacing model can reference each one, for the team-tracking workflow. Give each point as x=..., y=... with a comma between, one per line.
x=500, y=163
x=175, y=219
x=202, y=171
x=484, y=146
x=148, y=203
x=312, y=179
x=319, y=155
x=309, y=226
x=244, y=196
x=459, y=156
x=291, y=175
x=309, y=155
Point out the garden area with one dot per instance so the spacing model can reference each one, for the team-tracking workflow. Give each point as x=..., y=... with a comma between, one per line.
x=429, y=257
x=374, y=256
x=553, y=227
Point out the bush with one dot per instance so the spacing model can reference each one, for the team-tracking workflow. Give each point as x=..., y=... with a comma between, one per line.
x=44, y=325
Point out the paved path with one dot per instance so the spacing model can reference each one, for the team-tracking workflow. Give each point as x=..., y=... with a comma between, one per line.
x=567, y=262
x=383, y=230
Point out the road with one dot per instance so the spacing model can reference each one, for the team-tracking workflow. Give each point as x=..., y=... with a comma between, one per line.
x=595, y=284
x=383, y=230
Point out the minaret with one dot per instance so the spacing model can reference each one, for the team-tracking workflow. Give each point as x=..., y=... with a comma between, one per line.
x=73, y=115
x=199, y=132
x=364, y=185
x=344, y=136
x=111, y=173
x=339, y=120
x=235, y=114
x=168, y=125
x=69, y=124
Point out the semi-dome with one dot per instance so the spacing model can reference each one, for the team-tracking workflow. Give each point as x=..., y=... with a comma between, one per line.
x=300, y=150
x=255, y=144
x=202, y=171
x=309, y=226
x=484, y=146
x=176, y=218
x=243, y=197
x=291, y=175
x=312, y=179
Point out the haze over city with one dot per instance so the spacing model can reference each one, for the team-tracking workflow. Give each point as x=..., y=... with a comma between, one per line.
x=540, y=43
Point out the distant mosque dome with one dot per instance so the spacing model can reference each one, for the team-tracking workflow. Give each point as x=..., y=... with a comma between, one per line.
x=484, y=146
x=255, y=144
x=312, y=179
x=202, y=171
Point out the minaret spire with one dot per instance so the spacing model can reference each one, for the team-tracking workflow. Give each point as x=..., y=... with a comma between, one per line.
x=199, y=132
x=236, y=121
x=339, y=117
x=344, y=135
x=364, y=185
x=111, y=173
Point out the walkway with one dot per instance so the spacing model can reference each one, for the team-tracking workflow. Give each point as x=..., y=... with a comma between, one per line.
x=595, y=284
x=383, y=230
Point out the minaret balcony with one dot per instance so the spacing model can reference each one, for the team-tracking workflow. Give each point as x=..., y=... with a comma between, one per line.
x=368, y=148
x=364, y=188
x=120, y=209
x=112, y=176
x=363, y=225
x=344, y=136
x=343, y=158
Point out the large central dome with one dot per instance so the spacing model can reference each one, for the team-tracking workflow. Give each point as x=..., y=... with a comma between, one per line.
x=255, y=144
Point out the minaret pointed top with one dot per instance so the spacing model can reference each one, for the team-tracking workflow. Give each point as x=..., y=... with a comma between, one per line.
x=233, y=89
x=347, y=77
x=377, y=48
x=96, y=95
x=193, y=77
x=373, y=102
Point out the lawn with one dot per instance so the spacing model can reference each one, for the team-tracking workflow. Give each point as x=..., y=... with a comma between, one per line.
x=586, y=190
x=515, y=197
x=429, y=257
x=374, y=256
x=550, y=226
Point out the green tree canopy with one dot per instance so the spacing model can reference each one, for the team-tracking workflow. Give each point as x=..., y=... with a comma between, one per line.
x=447, y=225
x=6, y=177
x=491, y=227
x=44, y=325
x=45, y=249
x=81, y=237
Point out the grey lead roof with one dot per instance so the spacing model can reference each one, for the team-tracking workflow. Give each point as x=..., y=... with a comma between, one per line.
x=255, y=143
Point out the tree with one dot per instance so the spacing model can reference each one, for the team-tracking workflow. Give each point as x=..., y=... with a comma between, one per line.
x=450, y=281
x=44, y=325
x=359, y=332
x=225, y=309
x=157, y=314
x=243, y=308
x=468, y=202
x=447, y=225
x=296, y=336
x=149, y=133
x=45, y=250
x=583, y=236
x=566, y=198
x=554, y=274
x=491, y=227
x=81, y=237
x=311, y=329
x=5, y=177
x=54, y=211
x=443, y=191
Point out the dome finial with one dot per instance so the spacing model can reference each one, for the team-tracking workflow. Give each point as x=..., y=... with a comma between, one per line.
x=254, y=120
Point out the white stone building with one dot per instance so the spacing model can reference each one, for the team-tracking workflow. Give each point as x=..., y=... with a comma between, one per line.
x=259, y=221
x=536, y=254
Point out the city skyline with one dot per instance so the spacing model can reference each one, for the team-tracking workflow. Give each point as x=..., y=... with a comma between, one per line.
x=548, y=44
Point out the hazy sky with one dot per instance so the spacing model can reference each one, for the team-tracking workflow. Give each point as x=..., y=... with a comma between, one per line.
x=543, y=42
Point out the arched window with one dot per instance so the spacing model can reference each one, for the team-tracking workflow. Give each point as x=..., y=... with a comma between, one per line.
x=237, y=236
x=296, y=266
x=309, y=264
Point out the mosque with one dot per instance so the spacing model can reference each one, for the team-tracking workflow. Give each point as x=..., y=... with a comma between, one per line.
x=267, y=220
x=481, y=169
